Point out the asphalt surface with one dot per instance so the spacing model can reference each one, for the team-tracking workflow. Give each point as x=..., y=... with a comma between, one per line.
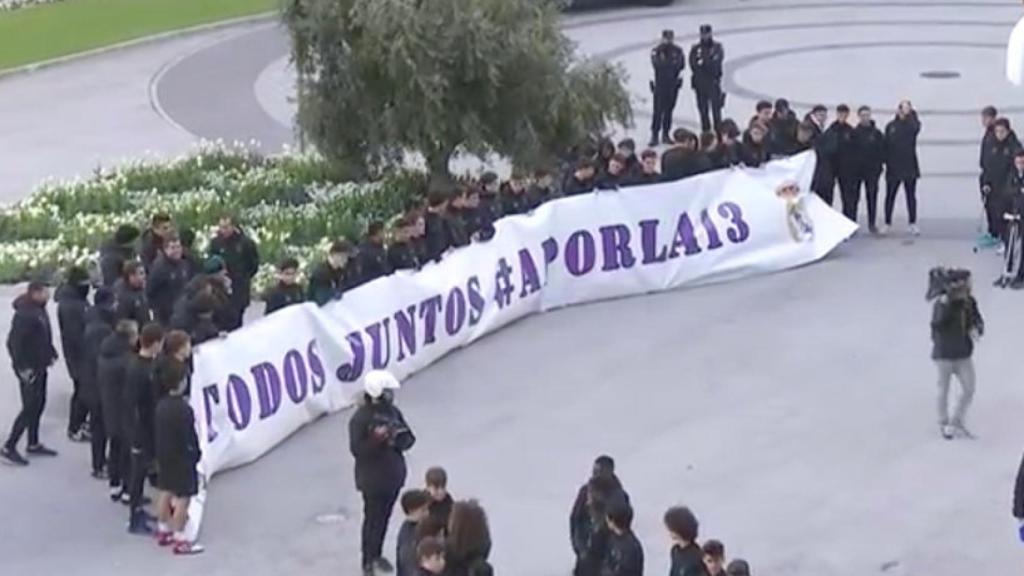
x=793, y=412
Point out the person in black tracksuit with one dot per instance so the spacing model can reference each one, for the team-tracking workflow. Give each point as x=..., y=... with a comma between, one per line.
x=1013, y=210
x=869, y=155
x=706, y=58
x=587, y=530
x=372, y=256
x=901, y=166
x=783, y=125
x=99, y=324
x=130, y=293
x=378, y=439
x=581, y=181
x=115, y=351
x=437, y=234
x=242, y=259
x=168, y=276
x=30, y=347
x=684, y=159
x=996, y=166
x=335, y=276
x=845, y=161
x=648, y=172
x=754, y=151
x=625, y=553
x=687, y=555
x=668, y=61
x=72, y=306
x=287, y=291
x=153, y=241
x=139, y=413
x=402, y=253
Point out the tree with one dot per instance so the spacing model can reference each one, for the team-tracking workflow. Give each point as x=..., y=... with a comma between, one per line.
x=380, y=78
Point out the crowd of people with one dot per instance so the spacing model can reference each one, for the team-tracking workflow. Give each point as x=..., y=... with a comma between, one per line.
x=444, y=537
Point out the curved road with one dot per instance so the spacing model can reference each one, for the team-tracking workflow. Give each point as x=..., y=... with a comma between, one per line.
x=794, y=412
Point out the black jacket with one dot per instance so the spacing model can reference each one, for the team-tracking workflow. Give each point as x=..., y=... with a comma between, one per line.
x=609, y=181
x=30, y=341
x=283, y=295
x=845, y=161
x=115, y=352
x=405, y=554
x=668, y=60
x=132, y=303
x=177, y=446
x=472, y=567
x=112, y=259
x=328, y=283
x=516, y=203
x=724, y=156
x=783, y=134
x=150, y=247
x=98, y=325
x=402, y=256
x=868, y=150
x=574, y=187
x=380, y=463
x=678, y=163
x=642, y=178
x=72, y=307
x=901, y=148
x=437, y=235
x=997, y=161
x=826, y=146
x=373, y=262
x=953, y=323
x=441, y=510
x=539, y=195
x=625, y=556
x=165, y=284
x=706, y=64
x=1018, y=493
x=753, y=154
x=242, y=259
x=687, y=561
x=139, y=402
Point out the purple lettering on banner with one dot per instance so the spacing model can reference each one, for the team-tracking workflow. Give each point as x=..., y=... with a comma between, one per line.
x=740, y=230
x=503, y=287
x=296, y=381
x=714, y=242
x=268, y=388
x=550, y=247
x=684, y=237
x=530, y=278
x=455, y=311
x=353, y=370
x=405, y=325
x=649, y=242
x=429, y=309
x=617, y=253
x=477, y=302
x=239, y=402
x=211, y=398
x=380, y=339
x=316, y=366
x=580, y=253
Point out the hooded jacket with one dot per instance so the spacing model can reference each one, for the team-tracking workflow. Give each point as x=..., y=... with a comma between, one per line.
x=997, y=161
x=115, y=351
x=72, y=307
x=132, y=303
x=165, y=284
x=30, y=341
x=99, y=323
x=901, y=148
x=139, y=402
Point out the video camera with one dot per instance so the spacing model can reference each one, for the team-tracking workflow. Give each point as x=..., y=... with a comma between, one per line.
x=398, y=433
x=943, y=281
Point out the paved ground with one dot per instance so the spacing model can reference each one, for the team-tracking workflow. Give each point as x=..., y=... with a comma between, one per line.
x=793, y=412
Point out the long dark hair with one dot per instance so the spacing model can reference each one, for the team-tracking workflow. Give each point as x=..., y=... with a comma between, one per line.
x=469, y=538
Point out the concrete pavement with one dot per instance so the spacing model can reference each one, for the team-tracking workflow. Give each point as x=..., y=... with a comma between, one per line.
x=793, y=412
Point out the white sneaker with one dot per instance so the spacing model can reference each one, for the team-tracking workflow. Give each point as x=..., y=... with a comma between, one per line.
x=914, y=230
x=883, y=230
x=1000, y=249
x=947, y=431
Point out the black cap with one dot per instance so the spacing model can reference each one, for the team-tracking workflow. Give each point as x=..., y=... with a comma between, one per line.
x=668, y=34
x=705, y=28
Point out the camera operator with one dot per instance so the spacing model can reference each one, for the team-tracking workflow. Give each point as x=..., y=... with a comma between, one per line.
x=378, y=437
x=956, y=324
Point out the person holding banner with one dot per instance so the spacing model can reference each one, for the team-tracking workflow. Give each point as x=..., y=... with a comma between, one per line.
x=378, y=439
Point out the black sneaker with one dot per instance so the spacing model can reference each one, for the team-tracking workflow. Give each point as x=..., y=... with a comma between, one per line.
x=140, y=524
x=368, y=570
x=383, y=565
x=653, y=143
x=100, y=474
x=40, y=450
x=666, y=139
x=11, y=456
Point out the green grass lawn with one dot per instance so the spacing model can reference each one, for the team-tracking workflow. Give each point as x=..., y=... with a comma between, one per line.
x=49, y=31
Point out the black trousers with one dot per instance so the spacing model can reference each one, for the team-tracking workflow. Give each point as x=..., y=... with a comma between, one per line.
x=78, y=411
x=892, y=187
x=709, y=105
x=870, y=184
x=995, y=207
x=118, y=462
x=664, y=105
x=376, y=515
x=849, y=192
x=826, y=193
x=140, y=461
x=99, y=437
x=33, y=401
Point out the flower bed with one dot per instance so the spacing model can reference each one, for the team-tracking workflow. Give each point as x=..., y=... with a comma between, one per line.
x=11, y=5
x=290, y=205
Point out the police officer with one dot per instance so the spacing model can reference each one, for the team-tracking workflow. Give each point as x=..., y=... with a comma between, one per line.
x=706, y=59
x=668, y=61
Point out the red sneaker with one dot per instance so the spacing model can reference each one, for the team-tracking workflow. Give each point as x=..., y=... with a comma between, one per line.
x=188, y=548
x=164, y=538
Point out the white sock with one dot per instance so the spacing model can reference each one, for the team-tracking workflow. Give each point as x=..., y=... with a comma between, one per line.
x=163, y=527
x=180, y=537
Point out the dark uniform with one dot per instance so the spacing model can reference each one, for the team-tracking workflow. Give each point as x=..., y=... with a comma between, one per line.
x=30, y=347
x=869, y=152
x=437, y=235
x=139, y=414
x=845, y=163
x=177, y=447
x=754, y=154
x=165, y=284
x=115, y=351
x=242, y=259
x=706, y=58
x=372, y=262
x=625, y=555
x=901, y=165
x=687, y=561
x=678, y=163
x=823, y=183
x=281, y=296
x=72, y=306
x=668, y=61
x=99, y=324
x=402, y=256
x=1013, y=204
x=132, y=303
x=782, y=134
x=328, y=283
x=996, y=166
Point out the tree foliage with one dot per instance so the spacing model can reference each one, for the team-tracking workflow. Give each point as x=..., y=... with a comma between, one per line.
x=379, y=78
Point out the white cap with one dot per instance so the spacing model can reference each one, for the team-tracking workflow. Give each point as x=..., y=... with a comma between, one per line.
x=377, y=381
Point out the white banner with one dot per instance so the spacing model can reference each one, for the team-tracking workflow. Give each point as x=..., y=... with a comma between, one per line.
x=253, y=389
